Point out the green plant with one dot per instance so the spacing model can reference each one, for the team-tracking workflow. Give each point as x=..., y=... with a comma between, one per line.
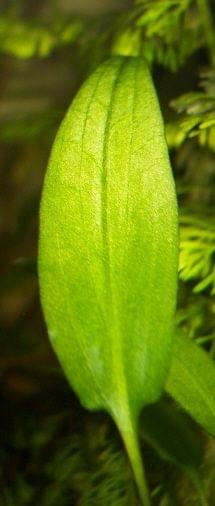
x=108, y=255
x=61, y=453
x=109, y=206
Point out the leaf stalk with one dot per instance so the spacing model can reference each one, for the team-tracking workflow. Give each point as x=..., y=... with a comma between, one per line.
x=129, y=435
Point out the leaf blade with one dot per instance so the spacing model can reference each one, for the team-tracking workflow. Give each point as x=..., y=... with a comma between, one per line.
x=120, y=252
x=108, y=249
x=191, y=381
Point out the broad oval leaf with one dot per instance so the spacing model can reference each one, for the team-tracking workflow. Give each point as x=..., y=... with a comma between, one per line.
x=108, y=249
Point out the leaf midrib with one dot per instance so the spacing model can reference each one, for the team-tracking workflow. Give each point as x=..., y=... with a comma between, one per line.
x=113, y=331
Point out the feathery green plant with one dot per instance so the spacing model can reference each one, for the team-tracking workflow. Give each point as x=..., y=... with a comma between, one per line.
x=196, y=111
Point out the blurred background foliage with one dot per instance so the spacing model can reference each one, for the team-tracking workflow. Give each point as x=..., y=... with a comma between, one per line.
x=52, y=451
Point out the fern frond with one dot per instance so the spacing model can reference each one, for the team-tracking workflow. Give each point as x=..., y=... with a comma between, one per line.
x=197, y=253
x=163, y=31
x=196, y=115
x=171, y=31
x=25, y=39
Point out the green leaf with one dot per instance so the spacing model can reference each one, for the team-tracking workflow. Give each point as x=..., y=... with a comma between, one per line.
x=191, y=381
x=182, y=447
x=108, y=249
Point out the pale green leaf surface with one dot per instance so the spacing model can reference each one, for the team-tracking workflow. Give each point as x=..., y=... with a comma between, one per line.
x=191, y=381
x=108, y=248
x=108, y=244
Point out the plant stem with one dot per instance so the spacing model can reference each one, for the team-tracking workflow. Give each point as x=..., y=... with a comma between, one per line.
x=204, y=9
x=129, y=436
